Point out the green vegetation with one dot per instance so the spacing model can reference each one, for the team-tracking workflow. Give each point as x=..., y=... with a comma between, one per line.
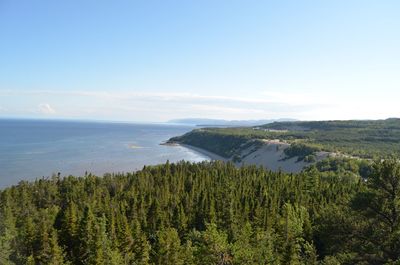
x=365, y=139
x=207, y=213
x=302, y=151
x=226, y=142
x=343, y=166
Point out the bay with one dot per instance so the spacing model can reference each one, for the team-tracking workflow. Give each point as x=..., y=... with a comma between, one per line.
x=31, y=149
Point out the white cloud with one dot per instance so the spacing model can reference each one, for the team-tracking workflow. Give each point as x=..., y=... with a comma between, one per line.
x=292, y=98
x=45, y=108
x=160, y=106
x=274, y=98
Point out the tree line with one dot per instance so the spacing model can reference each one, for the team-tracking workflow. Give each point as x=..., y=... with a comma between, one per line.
x=206, y=213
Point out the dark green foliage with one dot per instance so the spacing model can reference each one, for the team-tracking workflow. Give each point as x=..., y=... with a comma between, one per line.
x=364, y=138
x=345, y=167
x=380, y=205
x=206, y=213
x=369, y=226
x=8, y=232
x=225, y=142
x=168, y=247
x=302, y=151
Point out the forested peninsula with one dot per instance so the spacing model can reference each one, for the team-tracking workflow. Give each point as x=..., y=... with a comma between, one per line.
x=293, y=146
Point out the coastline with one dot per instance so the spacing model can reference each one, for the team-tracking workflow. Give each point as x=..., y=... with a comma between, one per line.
x=270, y=156
x=202, y=151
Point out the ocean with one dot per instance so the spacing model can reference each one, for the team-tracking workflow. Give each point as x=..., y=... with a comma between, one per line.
x=31, y=149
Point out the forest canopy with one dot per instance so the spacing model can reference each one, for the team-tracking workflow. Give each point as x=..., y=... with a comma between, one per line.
x=206, y=213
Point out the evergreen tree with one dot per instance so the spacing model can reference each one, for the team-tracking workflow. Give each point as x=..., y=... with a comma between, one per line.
x=124, y=237
x=212, y=246
x=69, y=230
x=169, y=249
x=379, y=207
x=104, y=255
x=141, y=246
x=162, y=214
x=8, y=234
x=242, y=249
x=87, y=237
x=57, y=255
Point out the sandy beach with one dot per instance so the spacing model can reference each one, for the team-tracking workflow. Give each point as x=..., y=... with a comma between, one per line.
x=211, y=155
x=270, y=156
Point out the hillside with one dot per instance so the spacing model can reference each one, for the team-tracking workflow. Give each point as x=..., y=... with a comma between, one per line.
x=366, y=139
x=207, y=213
x=363, y=138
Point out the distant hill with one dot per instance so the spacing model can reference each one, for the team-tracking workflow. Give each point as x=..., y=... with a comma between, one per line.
x=226, y=123
x=388, y=124
x=371, y=139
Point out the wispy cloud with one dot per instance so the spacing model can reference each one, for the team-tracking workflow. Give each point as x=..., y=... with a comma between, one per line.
x=268, y=97
x=45, y=108
x=295, y=98
x=158, y=106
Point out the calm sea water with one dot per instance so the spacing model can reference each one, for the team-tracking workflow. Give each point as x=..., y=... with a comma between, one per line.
x=30, y=149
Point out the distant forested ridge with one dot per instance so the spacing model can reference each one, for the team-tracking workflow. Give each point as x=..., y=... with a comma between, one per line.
x=364, y=138
x=207, y=213
x=370, y=139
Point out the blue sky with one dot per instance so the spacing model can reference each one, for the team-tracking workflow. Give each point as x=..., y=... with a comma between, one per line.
x=159, y=60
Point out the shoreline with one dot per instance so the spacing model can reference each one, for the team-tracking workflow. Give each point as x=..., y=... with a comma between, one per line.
x=202, y=151
x=269, y=156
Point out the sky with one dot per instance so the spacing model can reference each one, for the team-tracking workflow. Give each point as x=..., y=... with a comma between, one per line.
x=160, y=60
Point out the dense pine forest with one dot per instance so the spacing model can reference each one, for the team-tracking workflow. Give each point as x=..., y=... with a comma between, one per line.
x=207, y=213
